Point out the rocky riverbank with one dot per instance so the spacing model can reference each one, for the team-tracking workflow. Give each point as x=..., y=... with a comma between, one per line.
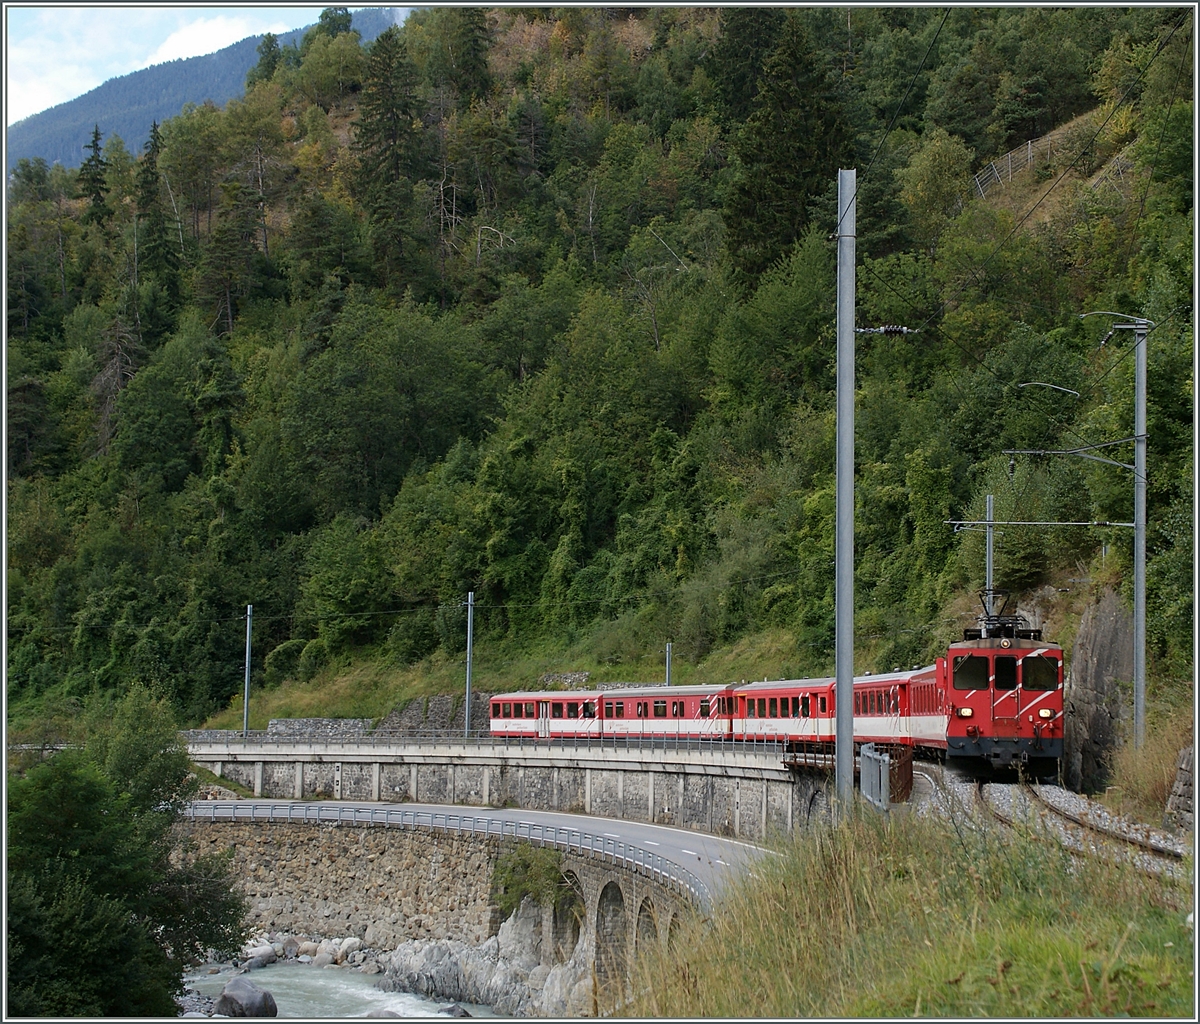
x=505, y=973
x=268, y=948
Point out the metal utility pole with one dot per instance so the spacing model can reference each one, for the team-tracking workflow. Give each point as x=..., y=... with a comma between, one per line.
x=470, y=644
x=668, y=663
x=844, y=551
x=246, y=695
x=1141, y=328
x=1139, y=534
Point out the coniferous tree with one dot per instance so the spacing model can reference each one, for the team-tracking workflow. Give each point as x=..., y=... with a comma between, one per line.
x=92, y=183
x=269, y=56
x=748, y=35
x=157, y=255
x=790, y=150
x=388, y=107
x=468, y=47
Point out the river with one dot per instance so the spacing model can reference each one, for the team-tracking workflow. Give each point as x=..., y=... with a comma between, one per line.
x=301, y=990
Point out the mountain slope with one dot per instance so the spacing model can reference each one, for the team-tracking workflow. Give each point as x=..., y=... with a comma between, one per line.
x=127, y=105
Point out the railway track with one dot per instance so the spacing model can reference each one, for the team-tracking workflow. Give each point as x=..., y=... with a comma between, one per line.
x=1020, y=805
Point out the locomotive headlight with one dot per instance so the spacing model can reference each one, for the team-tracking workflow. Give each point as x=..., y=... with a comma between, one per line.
x=965, y=712
x=1045, y=713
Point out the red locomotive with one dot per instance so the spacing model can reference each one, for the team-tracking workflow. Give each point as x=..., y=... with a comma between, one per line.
x=994, y=699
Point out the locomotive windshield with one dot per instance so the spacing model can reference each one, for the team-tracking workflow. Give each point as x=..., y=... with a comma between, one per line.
x=970, y=672
x=1039, y=673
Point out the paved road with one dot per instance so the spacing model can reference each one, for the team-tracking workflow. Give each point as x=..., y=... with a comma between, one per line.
x=715, y=860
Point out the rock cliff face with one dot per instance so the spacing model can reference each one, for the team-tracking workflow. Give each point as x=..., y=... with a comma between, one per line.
x=1179, y=803
x=1101, y=661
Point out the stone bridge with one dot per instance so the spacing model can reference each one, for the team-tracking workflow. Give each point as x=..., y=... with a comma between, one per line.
x=389, y=885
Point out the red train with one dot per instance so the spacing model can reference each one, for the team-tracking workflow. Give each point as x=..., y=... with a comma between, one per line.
x=996, y=698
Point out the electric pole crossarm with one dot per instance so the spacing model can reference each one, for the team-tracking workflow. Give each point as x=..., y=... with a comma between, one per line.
x=966, y=524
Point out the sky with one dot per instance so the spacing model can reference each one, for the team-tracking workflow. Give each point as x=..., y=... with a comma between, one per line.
x=54, y=53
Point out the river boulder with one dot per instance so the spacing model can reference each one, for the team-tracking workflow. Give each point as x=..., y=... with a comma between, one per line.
x=242, y=998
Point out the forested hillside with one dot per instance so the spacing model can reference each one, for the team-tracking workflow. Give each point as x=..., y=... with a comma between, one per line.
x=539, y=304
x=129, y=104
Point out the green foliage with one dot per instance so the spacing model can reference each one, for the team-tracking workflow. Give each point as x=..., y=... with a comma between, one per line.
x=533, y=871
x=92, y=876
x=548, y=316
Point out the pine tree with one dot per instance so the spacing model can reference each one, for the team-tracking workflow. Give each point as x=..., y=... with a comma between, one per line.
x=157, y=254
x=383, y=134
x=790, y=149
x=269, y=56
x=92, y=182
x=468, y=47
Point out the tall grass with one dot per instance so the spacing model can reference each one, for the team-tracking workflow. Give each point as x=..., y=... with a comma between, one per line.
x=1141, y=780
x=909, y=916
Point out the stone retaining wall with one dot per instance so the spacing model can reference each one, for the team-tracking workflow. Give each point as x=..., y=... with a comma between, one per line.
x=385, y=886
x=437, y=714
x=319, y=728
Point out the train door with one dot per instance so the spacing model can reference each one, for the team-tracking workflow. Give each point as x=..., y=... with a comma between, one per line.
x=543, y=719
x=1006, y=697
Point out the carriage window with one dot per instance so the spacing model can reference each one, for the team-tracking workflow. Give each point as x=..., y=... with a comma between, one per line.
x=620, y=709
x=1006, y=672
x=1039, y=673
x=822, y=705
x=589, y=709
x=704, y=707
x=507, y=711
x=795, y=707
x=805, y=703
x=970, y=672
x=518, y=710
x=495, y=710
x=750, y=707
x=774, y=708
x=608, y=709
x=660, y=709
x=556, y=709
x=762, y=707
x=529, y=709
x=572, y=709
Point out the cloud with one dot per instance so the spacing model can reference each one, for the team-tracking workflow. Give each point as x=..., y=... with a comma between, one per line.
x=53, y=54
x=208, y=35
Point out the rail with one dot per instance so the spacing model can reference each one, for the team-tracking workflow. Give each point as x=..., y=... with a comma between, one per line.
x=666, y=872
x=489, y=742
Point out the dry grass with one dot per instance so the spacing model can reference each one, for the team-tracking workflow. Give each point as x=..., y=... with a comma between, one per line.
x=881, y=918
x=1142, y=779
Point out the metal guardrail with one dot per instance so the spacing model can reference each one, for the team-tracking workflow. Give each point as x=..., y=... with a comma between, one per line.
x=875, y=776
x=486, y=741
x=630, y=857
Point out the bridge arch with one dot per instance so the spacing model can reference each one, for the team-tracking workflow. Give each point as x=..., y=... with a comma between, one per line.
x=612, y=961
x=569, y=917
x=646, y=936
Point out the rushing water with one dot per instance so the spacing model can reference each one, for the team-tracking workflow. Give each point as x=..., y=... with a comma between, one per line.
x=301, y=990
